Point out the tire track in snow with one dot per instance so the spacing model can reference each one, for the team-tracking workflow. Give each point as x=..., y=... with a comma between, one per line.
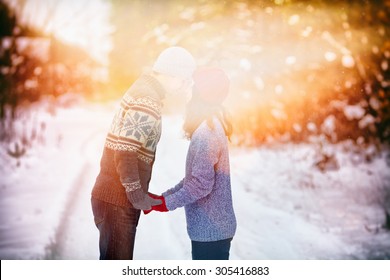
x=71, y=230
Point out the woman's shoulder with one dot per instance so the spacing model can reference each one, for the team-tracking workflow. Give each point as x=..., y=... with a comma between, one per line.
x=205, y=129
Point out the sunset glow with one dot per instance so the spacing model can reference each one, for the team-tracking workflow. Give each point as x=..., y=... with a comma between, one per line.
x=285, y=59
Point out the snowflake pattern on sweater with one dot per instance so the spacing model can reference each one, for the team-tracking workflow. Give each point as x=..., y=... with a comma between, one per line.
x=136, y=128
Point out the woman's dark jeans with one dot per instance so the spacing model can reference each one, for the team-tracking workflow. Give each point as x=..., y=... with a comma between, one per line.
x=215, y=250
x=117, y=227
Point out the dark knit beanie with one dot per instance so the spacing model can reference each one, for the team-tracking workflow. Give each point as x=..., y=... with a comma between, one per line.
x=211, y=85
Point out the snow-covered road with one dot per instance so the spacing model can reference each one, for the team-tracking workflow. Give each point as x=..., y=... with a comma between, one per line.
x=286, y=208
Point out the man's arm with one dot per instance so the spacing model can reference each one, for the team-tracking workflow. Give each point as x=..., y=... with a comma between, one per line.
x=134, y=132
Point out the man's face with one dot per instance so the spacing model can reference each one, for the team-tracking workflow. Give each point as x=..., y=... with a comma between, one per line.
x=177, y=85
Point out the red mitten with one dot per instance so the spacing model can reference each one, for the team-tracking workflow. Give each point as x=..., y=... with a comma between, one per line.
x=155, y=196
x=159, y=208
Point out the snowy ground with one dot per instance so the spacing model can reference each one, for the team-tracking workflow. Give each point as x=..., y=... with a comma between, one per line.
x=286, y=207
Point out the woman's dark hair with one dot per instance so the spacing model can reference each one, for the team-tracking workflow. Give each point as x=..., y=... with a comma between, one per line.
x=198, y=111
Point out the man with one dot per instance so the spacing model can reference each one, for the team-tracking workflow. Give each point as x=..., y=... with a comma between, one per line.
x=121, y=188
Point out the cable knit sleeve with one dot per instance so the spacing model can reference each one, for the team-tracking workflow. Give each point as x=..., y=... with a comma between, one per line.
x=200, y=174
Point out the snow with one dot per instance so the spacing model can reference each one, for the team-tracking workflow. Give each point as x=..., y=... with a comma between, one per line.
x=348, y=61
x=286, y=207
x=354, y=112
x=366, y=121
x=328, y=127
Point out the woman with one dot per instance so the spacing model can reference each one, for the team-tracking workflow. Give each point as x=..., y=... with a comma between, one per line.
x=205, y=191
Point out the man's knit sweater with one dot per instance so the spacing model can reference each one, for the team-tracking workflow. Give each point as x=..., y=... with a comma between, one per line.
x=130, y=146
x=206, y=191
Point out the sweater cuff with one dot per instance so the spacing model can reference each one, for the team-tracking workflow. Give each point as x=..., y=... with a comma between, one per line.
x=130, y=187
x=134, y=191
x=135, y=196
x=169, y=202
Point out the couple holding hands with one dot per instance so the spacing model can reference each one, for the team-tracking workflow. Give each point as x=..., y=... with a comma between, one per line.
x=121, y=190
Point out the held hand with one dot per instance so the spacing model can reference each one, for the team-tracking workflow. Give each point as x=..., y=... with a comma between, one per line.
x=141, y=200
x=155, y=196
x=159, y=208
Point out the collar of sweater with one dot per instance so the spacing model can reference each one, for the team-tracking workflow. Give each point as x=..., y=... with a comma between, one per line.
x=147, y=85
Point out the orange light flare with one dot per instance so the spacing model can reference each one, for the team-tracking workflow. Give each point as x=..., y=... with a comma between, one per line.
x=71, y=39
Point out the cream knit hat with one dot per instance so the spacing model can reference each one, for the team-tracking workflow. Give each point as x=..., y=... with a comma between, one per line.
x=175, y=61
